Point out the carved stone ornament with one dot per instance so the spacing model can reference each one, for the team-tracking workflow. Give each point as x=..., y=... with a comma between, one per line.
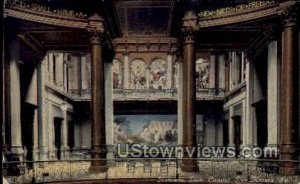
x=96, y=37
x=96, y=29
x=189, y=27
x=289, y=16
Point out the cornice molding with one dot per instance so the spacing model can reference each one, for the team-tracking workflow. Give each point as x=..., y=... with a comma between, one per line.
x=290, y=16
x=46, y=18
x=127, y=45
x=271, y=10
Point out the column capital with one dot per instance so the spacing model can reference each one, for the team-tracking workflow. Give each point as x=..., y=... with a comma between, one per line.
x=289, y=16
x=96, y=37
x=189, y=27
x=125, y=53
x=64, y=106
x=96, y=29
x=188, y=36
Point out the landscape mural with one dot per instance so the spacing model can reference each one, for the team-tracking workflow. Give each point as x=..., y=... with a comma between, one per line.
x=152, y=130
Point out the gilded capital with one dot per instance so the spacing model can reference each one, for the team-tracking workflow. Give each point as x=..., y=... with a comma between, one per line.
x=290, y=16
x=188, y=36
x=96, y=29
x=189, y=27
x=96, y=37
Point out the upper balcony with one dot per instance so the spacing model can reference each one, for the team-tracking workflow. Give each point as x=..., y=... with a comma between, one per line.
x=143, y=94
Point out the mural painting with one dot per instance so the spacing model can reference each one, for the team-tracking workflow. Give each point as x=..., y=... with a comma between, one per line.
x=138, y=75
x=202, y=74
x=151, y=130
x=158, y=74
x=117, y=74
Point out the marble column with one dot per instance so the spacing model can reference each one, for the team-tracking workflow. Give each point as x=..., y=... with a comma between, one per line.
x=222, y=72
x=98, y=147
x=188, y=105
x=169, y=70
x=242, y=67
x=227, y=75
x=230, y=71
x=273, y=95
x=42, y=110
x=84, y=73
x=179, y=101
x=65, y=148
x=65, y=81
x=250, y=131
x=51, y=131
x=231, y=126
x=35, y=148
x=59, y=70
x=289, y=92
x=234, y=70
x=109, y=110
x=212, y=72
x=32, y=98
x=50, y=66
x=126, y=79
x=148, y=77
x=15, y=100
x=244, y=124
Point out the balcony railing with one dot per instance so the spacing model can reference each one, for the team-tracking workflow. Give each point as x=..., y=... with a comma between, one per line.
x=154, y=169
x=145, y=94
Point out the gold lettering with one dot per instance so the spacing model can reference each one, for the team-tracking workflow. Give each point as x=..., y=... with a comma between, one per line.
x=241, y=7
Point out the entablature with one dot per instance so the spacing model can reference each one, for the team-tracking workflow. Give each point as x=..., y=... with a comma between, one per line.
x=142, y=44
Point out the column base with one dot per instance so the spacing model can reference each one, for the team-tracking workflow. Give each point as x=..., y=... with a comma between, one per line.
x=52, y=154
x=43, y=153
x=98, y=166
x=110, y=155
x=288, y=154
x=65, y=152
x=18, y=151
x=35, y=154
x=98, y=162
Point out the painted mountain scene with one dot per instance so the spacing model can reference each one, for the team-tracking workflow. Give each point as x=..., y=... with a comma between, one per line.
x=151, y=130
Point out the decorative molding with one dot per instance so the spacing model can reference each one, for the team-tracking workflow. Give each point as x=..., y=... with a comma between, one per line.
x=188, y=36
x=289, y=16
x=45, y=18
x=96, y=38
x=270, y=10
x=27, y=5
x=142, y=44
x=235, y=9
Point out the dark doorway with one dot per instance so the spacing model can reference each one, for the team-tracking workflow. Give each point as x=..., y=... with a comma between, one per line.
x=225, y=133
x=57, y=132
x=262, y=122
x=237, y=134
x=27, y=122
x=71, y=136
